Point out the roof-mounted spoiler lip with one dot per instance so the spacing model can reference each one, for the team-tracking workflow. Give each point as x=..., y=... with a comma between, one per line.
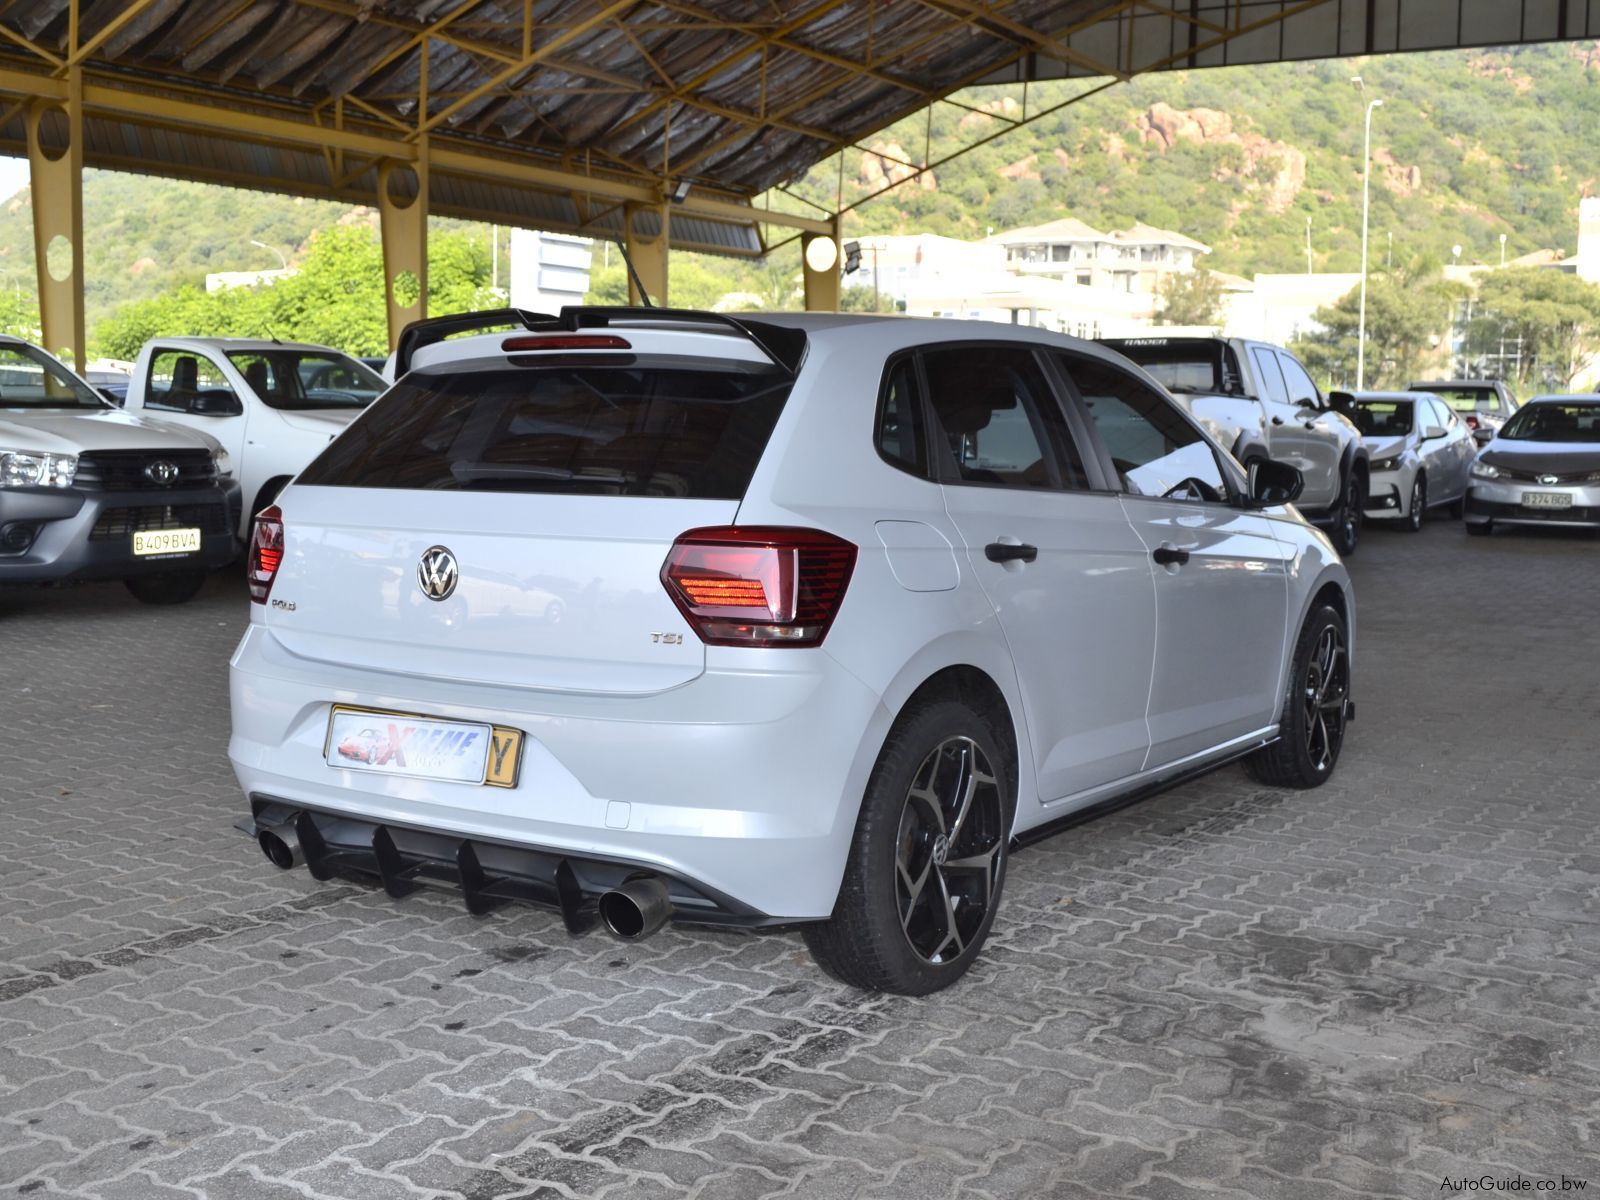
x=432, y=330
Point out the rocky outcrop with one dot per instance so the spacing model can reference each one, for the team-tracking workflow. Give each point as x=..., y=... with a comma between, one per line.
x=1276, y=170
x=1396, y=176
x=978, y=122
x=884, y=164
x=1023, y=168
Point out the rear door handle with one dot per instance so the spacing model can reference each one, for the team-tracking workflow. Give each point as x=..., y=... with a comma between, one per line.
x=1277, y=420
x=1001, y=552
x=1169, y=555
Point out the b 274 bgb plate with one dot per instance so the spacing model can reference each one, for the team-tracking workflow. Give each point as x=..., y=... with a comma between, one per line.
x=361, y=739
x=1547, y=499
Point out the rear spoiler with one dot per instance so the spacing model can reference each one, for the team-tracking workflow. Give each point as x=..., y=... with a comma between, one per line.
x=783, y=347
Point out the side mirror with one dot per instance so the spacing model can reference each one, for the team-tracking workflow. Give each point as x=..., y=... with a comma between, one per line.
x=1273, y=483
x=1307, y=402
x=1432, y=433
x=216, y=404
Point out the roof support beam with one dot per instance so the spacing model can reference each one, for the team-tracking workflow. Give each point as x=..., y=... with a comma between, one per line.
x=57, y=183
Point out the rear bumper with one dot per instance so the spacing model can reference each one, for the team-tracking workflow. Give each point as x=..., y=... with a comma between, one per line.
x=74, y=536
x=486, y=872
x=741, y=786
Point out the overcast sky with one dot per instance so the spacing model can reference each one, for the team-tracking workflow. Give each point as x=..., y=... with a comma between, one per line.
x=13, y=175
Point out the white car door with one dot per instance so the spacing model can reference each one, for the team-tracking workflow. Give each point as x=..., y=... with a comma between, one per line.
x=187, y=388
x=1289, y=432
x=1222, y=577
x=1324, y=431
x=1070, y=583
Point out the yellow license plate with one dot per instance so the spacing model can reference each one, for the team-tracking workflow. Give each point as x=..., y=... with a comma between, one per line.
x=167, y=541
x=390, y=743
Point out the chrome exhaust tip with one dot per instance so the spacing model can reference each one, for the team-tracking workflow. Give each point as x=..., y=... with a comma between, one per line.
x=637, y=908
x=281, y=845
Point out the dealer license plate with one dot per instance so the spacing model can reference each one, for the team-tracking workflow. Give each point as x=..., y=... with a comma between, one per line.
x=362, y=739
x=166, y=541
x=1547, y=499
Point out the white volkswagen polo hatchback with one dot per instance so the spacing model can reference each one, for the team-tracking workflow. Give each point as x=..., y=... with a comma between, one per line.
x=644, y=614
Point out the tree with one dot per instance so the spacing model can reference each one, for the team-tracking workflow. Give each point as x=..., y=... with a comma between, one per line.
x=1191, y=298
x=1556, y=316
x=1408, y=314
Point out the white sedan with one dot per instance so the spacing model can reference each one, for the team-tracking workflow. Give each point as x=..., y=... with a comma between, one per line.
x=1420, y=450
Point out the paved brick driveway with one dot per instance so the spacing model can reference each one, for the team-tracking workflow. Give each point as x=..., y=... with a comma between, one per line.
x=1354, y=992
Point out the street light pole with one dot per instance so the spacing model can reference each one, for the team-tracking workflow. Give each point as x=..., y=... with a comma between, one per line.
x=282, y=261
x=1366, y=204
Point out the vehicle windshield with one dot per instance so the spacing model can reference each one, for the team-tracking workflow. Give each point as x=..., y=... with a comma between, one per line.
x=1467, y=400
x=306, y=379
x=29, y=378
x=1180, y=364
x=1383, y=418
x=1553, y=421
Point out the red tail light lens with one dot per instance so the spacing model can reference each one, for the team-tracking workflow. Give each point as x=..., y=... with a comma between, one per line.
x=759, y=585
x=266, y=552
x=565, y=341
x=1472, y=421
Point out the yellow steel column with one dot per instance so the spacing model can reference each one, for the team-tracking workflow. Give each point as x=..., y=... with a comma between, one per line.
x=404, y=230
x=649, y=254
x=56, y=176
x=819, y=255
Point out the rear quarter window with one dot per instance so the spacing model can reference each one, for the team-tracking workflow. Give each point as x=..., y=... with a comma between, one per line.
x=584, y=425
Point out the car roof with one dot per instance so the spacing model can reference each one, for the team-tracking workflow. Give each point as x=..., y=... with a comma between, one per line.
x=884, y=334
x=1387, y=396
x=228, y=343
x=1557, y=398
x=1459, y=383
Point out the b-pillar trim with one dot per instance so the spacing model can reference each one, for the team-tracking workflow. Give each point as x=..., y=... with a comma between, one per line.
x=648, y=255
x=404, y=232
x=57, y=195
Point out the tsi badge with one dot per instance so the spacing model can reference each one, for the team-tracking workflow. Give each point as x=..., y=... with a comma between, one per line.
x=437, y=573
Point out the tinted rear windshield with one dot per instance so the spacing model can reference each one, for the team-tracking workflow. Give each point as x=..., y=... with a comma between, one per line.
x=1182, y=365
x=580, y=425
x=1466, y=399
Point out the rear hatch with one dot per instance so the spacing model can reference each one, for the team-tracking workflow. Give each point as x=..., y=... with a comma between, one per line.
x=557, y=481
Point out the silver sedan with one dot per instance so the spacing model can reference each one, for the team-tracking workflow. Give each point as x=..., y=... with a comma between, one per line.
x=1543, y=467
x=1420, y=451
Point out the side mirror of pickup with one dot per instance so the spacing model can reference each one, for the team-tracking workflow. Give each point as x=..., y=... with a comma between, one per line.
x=1273, y=483
x=1432, y=433
x=1307, y=402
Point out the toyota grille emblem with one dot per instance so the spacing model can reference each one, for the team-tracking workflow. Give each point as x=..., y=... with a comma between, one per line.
x=161, y=471
x=437, y=573
x=1549, y=479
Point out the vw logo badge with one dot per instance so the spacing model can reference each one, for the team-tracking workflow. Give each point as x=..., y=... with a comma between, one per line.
x=437, y=573
x=161, y=471
x=1549, y=479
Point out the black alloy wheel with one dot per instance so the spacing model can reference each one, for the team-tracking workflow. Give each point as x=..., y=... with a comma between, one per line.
x=1316, y=708
x=927, y=866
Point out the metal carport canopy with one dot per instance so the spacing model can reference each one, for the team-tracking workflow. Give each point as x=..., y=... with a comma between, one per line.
x=555, y=113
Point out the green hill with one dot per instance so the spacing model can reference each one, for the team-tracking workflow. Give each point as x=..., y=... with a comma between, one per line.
x=1467, y=146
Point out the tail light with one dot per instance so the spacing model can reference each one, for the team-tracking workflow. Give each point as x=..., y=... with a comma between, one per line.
x=572, y=341
x=1472, y=421
x=266, y=552
x=759, y=585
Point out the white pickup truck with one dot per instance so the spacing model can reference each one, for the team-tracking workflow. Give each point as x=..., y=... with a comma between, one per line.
x=273, y=405
x=1260, y=402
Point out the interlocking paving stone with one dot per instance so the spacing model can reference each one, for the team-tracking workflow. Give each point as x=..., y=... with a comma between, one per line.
x=1224, y=990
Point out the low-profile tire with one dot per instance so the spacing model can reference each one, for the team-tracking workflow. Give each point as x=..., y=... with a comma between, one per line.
x=1346, y=530
x=1311, y=726
x=1418, y=513
x=166, y=589
x=928, y=862
x=1480, y=530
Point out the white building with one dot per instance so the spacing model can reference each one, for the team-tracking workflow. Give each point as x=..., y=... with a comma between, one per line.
x=548, y=270
x=1137, y=259
x=898, y=264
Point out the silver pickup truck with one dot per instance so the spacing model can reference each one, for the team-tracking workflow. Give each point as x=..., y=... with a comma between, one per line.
x=1259, y=401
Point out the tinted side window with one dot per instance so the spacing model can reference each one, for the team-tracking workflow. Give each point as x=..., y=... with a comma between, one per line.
x=999, y=421
x=1272, y=385
x=670, y=427
x=1300, y=385
x=899, y=434
x=1155, y=451
x=182, y=381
